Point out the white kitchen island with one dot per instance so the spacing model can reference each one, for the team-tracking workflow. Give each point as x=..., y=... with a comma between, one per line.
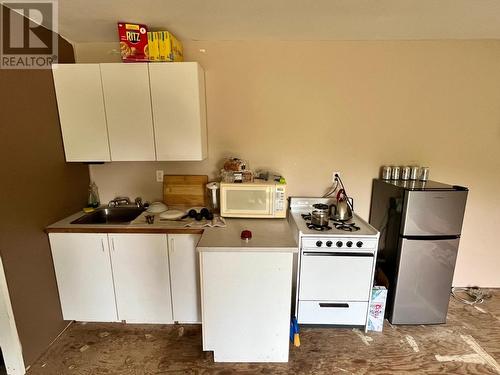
x=246, y=290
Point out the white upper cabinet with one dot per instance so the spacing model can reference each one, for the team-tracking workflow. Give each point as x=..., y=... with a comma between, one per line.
x=179, y=111
x=81, y=111
x=132, y=112
x=128, y=111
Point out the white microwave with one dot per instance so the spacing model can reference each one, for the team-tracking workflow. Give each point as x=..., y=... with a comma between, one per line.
x=253, y=199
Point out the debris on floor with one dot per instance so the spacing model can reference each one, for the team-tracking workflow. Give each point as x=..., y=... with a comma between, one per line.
x=138, y=349
x=411, y=341
x=366, y=339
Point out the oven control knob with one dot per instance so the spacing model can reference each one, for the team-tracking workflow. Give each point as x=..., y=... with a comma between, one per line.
x=359, y=244
x=319, y=243
x=329, y=243
x=339, y=244
x=349, y=243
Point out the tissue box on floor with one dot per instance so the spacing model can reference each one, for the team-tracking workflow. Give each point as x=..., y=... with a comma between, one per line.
x=377, y=309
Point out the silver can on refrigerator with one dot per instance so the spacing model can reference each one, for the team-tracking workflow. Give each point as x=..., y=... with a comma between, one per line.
x=424, y=173
x=386, y=172
x=395, y=173
x=405, y=173
x=414, y=172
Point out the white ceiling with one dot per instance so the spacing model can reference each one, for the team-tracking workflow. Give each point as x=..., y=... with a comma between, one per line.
x=95, y=20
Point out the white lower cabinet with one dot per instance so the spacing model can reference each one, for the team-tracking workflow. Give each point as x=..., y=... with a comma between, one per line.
x=184, y=276
x=141, y=277
x=84, y=278
x=246, y=299
x=137, y=278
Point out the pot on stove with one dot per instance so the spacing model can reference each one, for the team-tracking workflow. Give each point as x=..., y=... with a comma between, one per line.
x=320, y=215
x=341, y=211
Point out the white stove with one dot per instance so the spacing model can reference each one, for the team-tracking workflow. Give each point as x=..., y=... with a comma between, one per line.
x=335, y=267
x=300, y=208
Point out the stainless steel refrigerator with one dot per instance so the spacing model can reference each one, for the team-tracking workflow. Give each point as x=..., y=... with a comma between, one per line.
x=420, y=225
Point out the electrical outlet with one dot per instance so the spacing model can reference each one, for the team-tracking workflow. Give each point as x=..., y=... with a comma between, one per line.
x=159, y=175
x=335, y=174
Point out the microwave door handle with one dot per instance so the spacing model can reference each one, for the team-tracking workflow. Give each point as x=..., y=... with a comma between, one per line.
x=270, y=200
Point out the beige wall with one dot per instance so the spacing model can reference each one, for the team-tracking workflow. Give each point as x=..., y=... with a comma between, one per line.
x=308, y=108
x=37, y=188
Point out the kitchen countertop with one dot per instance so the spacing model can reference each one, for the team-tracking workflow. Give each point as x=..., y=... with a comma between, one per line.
x=136, y=226
x=268, y=234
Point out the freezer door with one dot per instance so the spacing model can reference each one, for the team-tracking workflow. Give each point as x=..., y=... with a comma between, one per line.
x=423, y=281
x=428, y=213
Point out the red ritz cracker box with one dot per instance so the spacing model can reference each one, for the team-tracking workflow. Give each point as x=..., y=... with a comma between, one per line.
x=133, y=41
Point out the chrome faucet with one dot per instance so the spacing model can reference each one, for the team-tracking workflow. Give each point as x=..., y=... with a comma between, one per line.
x=125, y=201
x=119, y=201
x=138, y=202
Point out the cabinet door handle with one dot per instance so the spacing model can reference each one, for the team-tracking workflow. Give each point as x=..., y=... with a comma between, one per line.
x=102, y=245
x=336, y=305
x=172, y=247
x=113, y=244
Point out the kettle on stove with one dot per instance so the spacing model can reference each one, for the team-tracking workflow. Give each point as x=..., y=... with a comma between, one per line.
x=341, y=211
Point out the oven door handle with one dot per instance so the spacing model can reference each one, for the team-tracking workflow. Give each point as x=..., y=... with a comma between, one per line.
x=337, y=254
x=335, y=305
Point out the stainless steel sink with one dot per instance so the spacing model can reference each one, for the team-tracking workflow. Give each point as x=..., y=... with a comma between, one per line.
x=110, y=215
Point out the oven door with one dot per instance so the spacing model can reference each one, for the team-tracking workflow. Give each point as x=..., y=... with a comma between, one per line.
x=333, y=276
x=245, y=201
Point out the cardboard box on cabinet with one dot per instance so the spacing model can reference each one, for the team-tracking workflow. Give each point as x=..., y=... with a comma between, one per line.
x=133, y=42
x=154, y=48
x=170, y=47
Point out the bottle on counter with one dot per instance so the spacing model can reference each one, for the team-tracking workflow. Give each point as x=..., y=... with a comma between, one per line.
x=93, y=200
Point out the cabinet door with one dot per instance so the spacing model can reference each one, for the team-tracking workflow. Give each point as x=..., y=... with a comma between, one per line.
x=84, y=278
x=179, y=113
x=246, y=300
x=128, y=111
x=185, y=277
x=81, y=111
x=141, y=275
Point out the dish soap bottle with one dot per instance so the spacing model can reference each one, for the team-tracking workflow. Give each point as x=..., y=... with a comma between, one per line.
x=93, y=200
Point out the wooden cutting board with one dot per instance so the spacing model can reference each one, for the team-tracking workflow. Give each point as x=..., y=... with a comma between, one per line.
x=187, y=190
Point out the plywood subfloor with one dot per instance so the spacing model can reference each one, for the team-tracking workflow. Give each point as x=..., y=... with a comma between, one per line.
x=468, y=344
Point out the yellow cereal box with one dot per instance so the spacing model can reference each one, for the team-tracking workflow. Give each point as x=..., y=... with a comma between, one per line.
x=170, y=49
x=177, y=49
x=153, y=47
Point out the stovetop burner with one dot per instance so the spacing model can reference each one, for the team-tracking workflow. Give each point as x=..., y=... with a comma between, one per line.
x=319, y=228
x=339, y=225
x=348, y=227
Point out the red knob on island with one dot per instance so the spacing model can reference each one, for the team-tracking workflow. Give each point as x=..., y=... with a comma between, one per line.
x=246, y=235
